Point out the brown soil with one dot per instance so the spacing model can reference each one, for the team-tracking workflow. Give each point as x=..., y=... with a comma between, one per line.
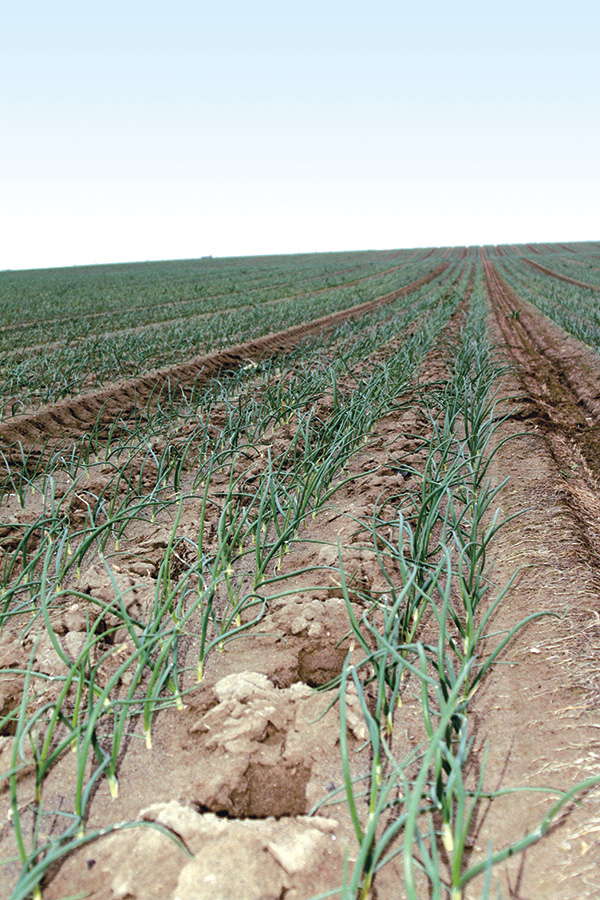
x=539, y=712
x=577, y=262
x=560, y=375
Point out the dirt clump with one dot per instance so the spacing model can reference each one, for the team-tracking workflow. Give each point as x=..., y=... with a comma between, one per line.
x=215, y=858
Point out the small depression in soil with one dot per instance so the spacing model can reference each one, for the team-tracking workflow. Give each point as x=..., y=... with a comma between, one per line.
x=267, y=791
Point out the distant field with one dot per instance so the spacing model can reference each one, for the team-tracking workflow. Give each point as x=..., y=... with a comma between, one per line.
x=64, y=330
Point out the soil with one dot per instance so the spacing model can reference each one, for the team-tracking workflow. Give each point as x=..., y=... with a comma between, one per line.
x=248, y=774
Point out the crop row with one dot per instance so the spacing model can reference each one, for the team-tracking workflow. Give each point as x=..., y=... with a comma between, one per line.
x=105, y=321
x=580, y=262
x=429, y=636
x=572, y=307
x=98, y=317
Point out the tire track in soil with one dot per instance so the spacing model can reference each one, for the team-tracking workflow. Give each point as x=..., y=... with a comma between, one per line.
x=553, y=274
x=577, y=262
x=536, y=713
x=72, y=418
x=99, y=483
x=142, y=307
x=561, y=379
x=560, y=374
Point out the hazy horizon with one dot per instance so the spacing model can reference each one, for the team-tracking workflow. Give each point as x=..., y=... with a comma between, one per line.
x=183, y=259
x=141, y=132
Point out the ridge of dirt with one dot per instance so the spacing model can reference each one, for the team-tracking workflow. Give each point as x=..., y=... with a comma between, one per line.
x=561, y=379
x=560, y=374
x=584, y=284
x=73, y=417
x=578, y=262
x=537, y=713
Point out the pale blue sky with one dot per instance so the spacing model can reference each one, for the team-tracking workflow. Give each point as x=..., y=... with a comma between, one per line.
x=153, y=130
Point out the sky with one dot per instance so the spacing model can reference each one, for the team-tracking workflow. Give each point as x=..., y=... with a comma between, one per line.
x=165, y=130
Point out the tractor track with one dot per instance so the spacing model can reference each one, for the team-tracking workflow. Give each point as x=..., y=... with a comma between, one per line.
x=561, y=381
x=567, y=278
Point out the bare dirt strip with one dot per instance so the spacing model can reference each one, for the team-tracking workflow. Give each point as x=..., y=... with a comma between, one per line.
x=74, y=417
x=577, y=262
x=560, y=377
x=539, y=712
x=559, y=373
x=547, y=271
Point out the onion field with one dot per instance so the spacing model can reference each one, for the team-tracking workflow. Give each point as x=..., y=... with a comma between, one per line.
x=300, y=589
